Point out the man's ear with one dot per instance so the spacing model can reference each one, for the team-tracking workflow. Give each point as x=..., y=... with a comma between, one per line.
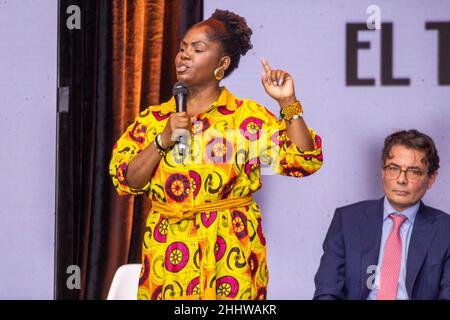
x=432, y=179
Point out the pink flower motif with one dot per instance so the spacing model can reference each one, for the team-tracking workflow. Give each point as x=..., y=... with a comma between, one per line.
x=161, y=229
x=251, y=128
x=219, y=150
x=220, y=248
x=239, y=223
x=177, y=187
x=193, y=286
x=177, y=256
x=227, y=287
x=196, y=182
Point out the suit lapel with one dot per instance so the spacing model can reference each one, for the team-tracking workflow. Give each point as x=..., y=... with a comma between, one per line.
x=422, y=234
x=371, y=228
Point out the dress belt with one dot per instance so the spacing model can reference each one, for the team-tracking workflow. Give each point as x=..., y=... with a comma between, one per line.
x=178, y=212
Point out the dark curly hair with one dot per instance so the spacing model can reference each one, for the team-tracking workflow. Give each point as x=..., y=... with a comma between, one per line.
x=232, y=31
x=415, y=140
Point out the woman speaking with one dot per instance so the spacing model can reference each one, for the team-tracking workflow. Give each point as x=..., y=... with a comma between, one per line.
x=204, y=237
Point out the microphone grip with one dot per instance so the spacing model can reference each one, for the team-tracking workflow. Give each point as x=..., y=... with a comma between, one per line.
x=182, y=138
x=181, y=146
x=181, y=106
x=181, y=102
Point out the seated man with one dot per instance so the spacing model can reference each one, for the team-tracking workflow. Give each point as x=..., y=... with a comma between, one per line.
x=395, y=247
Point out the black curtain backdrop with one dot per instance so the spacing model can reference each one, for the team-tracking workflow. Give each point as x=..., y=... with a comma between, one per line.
x=96, y=230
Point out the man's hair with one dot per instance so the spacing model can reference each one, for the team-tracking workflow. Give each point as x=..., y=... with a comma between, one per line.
x=413, y=139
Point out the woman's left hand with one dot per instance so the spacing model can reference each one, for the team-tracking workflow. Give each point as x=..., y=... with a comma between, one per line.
x=278, y=84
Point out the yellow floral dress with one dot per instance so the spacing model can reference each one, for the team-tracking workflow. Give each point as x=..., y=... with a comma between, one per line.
x=218, y=254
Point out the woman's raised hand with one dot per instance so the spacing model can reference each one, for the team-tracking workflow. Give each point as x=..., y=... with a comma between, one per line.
x=278, y=84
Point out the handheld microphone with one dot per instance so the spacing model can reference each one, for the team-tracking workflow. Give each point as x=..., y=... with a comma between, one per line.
x=180, y=93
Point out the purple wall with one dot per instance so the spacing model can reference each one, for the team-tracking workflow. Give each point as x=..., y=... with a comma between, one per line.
x=28, y=37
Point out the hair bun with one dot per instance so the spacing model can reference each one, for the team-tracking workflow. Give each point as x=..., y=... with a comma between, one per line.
x=237, y=27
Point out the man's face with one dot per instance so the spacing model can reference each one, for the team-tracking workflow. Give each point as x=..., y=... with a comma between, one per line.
x=401, y=192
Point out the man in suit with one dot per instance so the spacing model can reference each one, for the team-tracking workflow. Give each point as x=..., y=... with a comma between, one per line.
x=395, y=247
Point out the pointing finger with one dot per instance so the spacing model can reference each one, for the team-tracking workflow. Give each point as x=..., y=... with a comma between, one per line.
x=266, y=66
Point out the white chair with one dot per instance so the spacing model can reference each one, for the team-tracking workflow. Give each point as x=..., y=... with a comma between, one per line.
x=125, y=283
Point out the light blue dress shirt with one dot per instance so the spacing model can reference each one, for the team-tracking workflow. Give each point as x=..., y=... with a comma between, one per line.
x=405, y=234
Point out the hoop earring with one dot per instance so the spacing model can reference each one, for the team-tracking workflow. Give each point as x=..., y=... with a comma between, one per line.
x=219, y=73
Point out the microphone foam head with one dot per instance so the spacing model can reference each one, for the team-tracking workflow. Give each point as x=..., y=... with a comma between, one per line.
x=179, y=87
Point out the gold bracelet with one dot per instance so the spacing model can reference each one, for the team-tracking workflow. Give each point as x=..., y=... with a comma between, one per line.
x=162, y=153
x=158, y=145
x=292, y=111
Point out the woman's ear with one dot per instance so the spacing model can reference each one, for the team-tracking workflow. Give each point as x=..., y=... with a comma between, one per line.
x=225, y=62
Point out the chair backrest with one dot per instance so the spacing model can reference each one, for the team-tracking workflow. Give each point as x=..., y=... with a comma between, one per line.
x=125, y=283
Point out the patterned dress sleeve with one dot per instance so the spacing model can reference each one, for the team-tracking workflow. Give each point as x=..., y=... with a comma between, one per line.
x=277, y=150
x=135, y=139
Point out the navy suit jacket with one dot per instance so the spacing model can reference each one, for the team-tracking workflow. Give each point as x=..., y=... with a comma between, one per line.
x=353, y=242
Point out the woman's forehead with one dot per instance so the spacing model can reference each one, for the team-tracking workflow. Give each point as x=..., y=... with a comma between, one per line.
x=197, y=34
